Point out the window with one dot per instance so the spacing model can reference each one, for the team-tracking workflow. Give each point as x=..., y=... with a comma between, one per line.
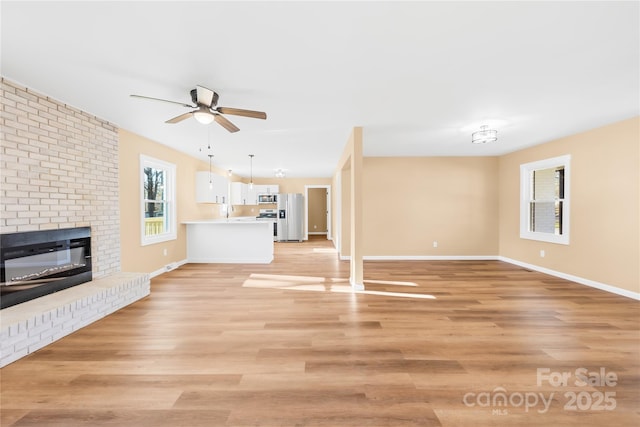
x=544, y=200
x=158, y=200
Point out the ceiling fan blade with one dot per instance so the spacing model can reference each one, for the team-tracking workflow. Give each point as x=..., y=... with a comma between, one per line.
x=222, y=121
x=163, y=100
x=180, y=118
x=205, y=96
x=240, y=112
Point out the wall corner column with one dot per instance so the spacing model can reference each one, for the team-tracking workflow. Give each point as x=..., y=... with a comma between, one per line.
x=356, y=277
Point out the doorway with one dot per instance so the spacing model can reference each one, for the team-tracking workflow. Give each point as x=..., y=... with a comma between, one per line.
x=318, y=211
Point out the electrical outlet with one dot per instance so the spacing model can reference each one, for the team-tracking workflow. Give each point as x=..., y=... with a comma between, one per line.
x=164, y=252
x=435, y=243
x=542, y=254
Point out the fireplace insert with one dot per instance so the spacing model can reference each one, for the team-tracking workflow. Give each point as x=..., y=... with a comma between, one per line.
x=37, y=263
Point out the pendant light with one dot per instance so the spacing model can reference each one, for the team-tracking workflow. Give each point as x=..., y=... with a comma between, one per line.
x=210, y=155
x=251, y=176
x=210, y=174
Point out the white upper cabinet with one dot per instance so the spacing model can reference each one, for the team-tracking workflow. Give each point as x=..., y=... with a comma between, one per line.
x=211, y=188
x=239, y=192
x=252, y=195
x=259, y=189
x=244, y=194
x=269, y=189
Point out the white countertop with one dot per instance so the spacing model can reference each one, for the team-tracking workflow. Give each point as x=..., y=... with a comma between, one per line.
x=232, y=220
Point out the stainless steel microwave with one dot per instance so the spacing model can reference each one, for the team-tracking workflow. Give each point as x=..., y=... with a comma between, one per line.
x=264, y=199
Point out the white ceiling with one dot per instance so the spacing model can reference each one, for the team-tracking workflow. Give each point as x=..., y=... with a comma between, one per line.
x=418, y=76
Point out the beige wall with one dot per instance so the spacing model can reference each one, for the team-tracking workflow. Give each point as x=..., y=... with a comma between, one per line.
x=150, y=258
x=605, y=199
x=410, y=202
x=293, y=185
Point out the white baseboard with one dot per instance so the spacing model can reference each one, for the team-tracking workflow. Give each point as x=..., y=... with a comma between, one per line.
x=430, y=257
x=424, y=257
x=581, y=280
x=570, y=277
x=356, y=286
x=168, y=267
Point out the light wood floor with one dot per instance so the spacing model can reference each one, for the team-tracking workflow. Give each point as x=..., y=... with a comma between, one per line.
x=287, y=344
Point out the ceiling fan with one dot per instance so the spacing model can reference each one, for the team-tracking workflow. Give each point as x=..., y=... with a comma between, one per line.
x=206, y=109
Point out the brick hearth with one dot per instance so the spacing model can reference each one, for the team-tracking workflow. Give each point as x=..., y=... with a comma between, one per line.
x=34, y=324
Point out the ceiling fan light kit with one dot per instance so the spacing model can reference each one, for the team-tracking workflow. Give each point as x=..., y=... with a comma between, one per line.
x=203, y=116
x=206, y=109
x=484, y=135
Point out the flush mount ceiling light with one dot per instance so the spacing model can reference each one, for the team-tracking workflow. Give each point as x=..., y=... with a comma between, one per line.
x=279, y=173
x=484, y=135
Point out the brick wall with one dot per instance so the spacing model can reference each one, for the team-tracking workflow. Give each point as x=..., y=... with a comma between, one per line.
x=59, y=169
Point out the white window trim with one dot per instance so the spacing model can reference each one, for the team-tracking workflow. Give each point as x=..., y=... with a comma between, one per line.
x=525, y=189
x=170, y=197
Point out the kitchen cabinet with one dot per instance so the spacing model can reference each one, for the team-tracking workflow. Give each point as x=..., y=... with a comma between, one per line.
x=258, y=189
x=267, y=189
x=230, y=241
x=244, y=194
x=239, y=192
x=252, y=195
x=270, y=189
x=214, y=190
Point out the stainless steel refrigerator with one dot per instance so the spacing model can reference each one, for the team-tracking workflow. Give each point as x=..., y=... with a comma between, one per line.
x=290, y=217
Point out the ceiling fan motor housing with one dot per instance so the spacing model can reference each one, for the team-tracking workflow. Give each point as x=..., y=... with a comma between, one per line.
x=194, y=98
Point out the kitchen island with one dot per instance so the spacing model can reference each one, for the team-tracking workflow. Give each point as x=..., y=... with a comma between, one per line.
x=233, y=240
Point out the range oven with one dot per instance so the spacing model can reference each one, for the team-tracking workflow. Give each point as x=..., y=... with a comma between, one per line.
x=270, y=215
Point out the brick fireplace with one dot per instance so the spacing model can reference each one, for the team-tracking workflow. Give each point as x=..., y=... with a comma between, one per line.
x=38, y=263
x=59, y=170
